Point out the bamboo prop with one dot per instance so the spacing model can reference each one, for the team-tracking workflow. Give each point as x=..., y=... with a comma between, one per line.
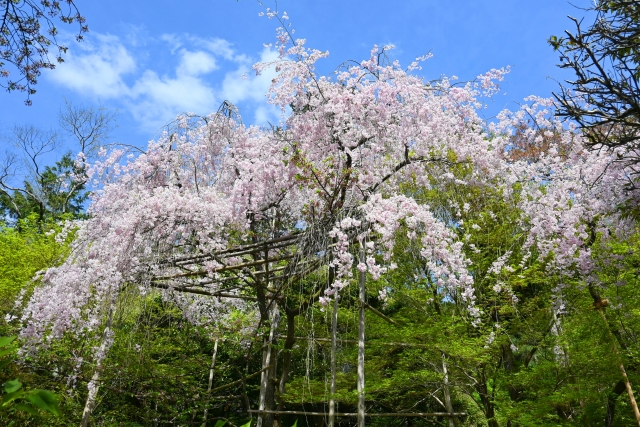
x=243, y=266
x=264, y=381
x=334, y=330
x=190, y=290
x=240, y=381
x=453, y=421
x=93, y=386
x=361, y=401
x=390, y=343
x=623, y=372
x=218, y=256
x=213, y=364
x=379, y=314
x=250, y=249
x=245, y=249
x=355, y=414
x=225, y=268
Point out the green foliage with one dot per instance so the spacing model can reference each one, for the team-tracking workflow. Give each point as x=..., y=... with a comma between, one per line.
x=541, y=356
x=25, y=250
x=55, y=194
x=15, y=397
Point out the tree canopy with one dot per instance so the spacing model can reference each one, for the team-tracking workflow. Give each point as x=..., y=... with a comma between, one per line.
x=604, y=97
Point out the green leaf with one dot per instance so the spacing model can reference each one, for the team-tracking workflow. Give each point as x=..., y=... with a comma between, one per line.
x=6, y=351
x=10, y=397
x=11, y=386
x=26, y=408
x=295, y=424
x=5, y=341
x=220, y=423
x=44, y=400
x=247, y=424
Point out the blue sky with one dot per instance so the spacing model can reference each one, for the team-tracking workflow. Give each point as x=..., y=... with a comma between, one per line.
x=152, y=60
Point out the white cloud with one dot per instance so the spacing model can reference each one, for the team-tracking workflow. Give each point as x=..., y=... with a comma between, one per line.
x=173, y=41
x=217, y=46
x=195, y=63
x=155, y=100
x=96, y=69
x=106, y=69
x=242, y=84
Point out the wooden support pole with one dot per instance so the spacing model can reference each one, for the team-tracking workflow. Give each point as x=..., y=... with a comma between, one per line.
x=453, y=422
x=213, y=364
x=241, y=380
x=361, y=401
x=225, y=268
x=355, y=414
x=623, y=372
x=374, y=343
x=94, y=385
x=334, y=330
x=191, y=290
x=237, y=250
x=265, y=383
x=380, y=315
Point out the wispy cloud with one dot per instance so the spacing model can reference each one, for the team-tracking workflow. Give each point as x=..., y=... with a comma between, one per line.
x=205, y=72
x=96, y=68
x=238, y=87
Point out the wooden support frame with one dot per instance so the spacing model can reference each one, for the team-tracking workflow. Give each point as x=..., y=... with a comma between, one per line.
x=361, y=326
x=253, y=269
x=355, y=414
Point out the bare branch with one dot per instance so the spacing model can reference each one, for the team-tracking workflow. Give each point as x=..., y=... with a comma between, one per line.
x=88, y=125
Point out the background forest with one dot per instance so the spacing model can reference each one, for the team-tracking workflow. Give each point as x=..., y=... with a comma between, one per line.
x=221, y=271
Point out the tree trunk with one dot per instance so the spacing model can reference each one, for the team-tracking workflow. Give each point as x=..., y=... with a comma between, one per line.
x=619, y=388
x=286, y=359
x=487, y=401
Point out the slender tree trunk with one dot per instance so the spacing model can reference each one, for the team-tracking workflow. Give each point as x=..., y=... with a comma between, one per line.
x=291, y=340
x=486, y=399
x=213, y=364
x=334, y=330
x=619, y=388
x=286, y=360
x=93, y=385
x=361, y=401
